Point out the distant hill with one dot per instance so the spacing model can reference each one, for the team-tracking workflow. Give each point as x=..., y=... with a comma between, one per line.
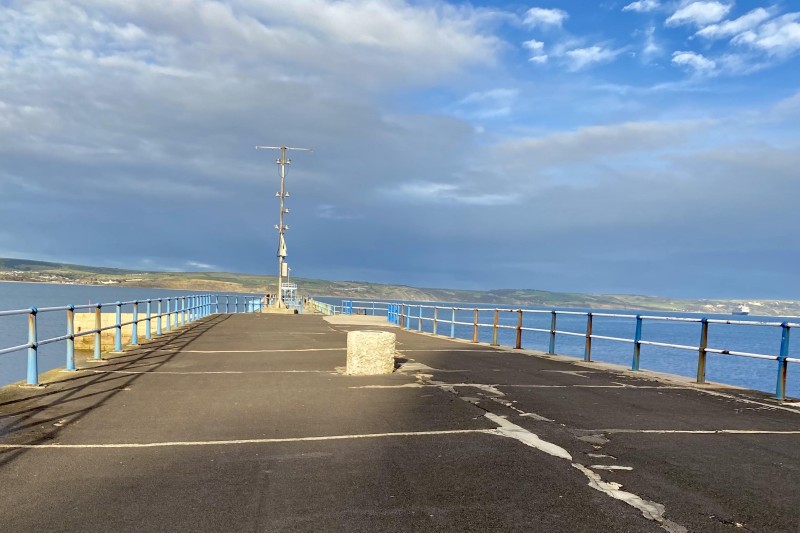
x=47, y=272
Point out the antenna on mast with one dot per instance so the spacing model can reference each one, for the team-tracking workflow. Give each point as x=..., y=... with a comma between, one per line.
x=283, y=266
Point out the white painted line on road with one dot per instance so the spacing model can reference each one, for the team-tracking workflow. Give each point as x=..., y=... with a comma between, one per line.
x=611, y=467
x=168, y=372
x=434, y=384
x=445, y=350
x=578, y=373
x=248, y=441
x=578, y=386
x=279, y=350
x=702, y=431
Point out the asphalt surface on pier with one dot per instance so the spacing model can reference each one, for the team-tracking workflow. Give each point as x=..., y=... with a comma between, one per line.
x=246, y=423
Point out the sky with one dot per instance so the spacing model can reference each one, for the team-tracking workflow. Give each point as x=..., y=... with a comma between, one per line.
x=645, y=147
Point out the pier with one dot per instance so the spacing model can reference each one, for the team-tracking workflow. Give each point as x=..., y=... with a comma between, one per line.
x=246, y=422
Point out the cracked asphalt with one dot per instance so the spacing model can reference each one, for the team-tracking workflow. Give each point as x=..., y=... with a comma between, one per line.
x=244, y=423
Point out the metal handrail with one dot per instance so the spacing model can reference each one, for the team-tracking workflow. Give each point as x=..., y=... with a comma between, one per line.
x=179, y=311
x=410, y=314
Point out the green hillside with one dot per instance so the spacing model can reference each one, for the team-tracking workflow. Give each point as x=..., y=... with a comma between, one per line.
x=47, y=272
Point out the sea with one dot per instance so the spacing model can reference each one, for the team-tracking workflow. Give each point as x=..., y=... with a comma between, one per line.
x=20, y=295
x=745, y=372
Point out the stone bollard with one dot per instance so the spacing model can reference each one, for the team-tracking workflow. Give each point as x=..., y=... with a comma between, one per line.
x=370, y=352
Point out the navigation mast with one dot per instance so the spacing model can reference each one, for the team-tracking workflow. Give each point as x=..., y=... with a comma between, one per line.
x=283, y=266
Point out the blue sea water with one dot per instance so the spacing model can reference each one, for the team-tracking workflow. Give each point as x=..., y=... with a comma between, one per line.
x=741, y=371
x=14, y=329
x=751, y=373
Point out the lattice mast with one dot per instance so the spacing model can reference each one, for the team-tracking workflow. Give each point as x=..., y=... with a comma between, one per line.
x=283, y=266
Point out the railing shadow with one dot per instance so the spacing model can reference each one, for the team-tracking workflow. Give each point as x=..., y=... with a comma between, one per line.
x=88, y=391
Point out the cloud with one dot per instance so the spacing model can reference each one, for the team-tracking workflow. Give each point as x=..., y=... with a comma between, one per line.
x=697, y=62
x=736, y=26
x=449, y=193
x=540, y=17
x=643, y=6
x=199, y=265
x=536, y=48
x=699, y=13
x=651, y=47
x=590, y=144
x=581, y=58
x=779, y=37
x=488, y=104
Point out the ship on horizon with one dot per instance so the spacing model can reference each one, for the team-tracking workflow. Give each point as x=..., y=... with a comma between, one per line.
x=741, y=309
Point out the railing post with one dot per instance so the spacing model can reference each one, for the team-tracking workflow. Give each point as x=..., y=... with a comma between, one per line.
x=98, y=325
x=158, y=317
x=373, y=308
x=780, y=388
x=587, y=350
x=495, y=327
x=236, y=305
x=701, y=355
x=475, y=327
x=637, y=346
x=183, y=310
x=33, y=349
x=216, y=304
x=403, y=318
x=419, y=320
x=518, y=345
x=118, y=328
x=227, y=304
x=71, y=337
x=552, y=347
x=176, y=313
x=169, y=314
x=435, y=318
x=453, y=323
x=147, y=331
x=135, y=325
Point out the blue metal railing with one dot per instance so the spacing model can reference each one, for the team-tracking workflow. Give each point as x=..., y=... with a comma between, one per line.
x=172, y=312
x=323, y=307
x=410, y=316
x=358, y=307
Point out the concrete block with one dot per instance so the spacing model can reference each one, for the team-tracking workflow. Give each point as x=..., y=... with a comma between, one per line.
x=370, y=353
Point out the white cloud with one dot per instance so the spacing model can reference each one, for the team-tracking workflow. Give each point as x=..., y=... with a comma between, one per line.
x=536, y=48
x=699, y=13
x=489, y=104
x=779, y=37
x=537, y=16
x=693, y=60
x=651, y=46
x=202, y=266
x=642, y=6
x=581, y=58
x=449, y=193
x=736, y=26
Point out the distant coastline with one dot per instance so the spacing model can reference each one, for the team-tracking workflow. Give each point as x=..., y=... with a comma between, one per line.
x=27, y=271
